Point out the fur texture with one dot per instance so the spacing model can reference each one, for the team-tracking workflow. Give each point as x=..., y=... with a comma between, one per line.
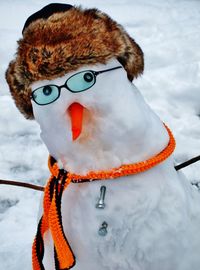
x=64, y=42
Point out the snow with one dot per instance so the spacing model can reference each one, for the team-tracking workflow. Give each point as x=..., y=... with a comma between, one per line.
x=168, y=33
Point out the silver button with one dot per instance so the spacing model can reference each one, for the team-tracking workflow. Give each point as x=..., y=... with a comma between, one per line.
x=100, y=204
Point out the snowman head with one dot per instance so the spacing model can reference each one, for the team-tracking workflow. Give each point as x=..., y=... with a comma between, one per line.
x=70, y=73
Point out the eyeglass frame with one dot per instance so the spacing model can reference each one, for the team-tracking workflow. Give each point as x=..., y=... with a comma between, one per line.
x=95, y=73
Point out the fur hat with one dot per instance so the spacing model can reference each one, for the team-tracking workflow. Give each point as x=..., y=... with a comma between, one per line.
x=61, y=38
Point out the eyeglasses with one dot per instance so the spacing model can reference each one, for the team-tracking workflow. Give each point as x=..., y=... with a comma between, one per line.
x=78, y=82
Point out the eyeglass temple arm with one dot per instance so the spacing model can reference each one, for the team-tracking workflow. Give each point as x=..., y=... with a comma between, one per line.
x=102, y=71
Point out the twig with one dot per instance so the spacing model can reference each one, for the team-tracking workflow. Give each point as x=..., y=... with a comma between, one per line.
x=21, y=184
x=187, y=163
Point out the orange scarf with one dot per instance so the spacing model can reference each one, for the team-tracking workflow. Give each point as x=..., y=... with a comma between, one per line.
x=52, y=219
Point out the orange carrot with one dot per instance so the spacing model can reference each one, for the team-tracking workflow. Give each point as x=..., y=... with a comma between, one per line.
x=76, y=114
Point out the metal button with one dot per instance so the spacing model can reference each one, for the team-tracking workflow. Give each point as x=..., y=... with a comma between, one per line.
x=103, y=229
x=100, y=204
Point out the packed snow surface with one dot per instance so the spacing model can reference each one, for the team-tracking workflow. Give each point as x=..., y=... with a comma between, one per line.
x=168, y=33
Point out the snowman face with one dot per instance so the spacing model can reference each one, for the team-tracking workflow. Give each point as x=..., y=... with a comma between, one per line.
x=87, y=120
x=76, y=83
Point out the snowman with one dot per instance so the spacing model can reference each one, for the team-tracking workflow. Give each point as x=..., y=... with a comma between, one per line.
x=114, y=200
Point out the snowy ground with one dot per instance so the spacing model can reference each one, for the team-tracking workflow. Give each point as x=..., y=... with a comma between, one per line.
x=169, y=34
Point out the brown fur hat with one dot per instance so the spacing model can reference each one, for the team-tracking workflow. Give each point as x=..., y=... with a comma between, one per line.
x=63, y=42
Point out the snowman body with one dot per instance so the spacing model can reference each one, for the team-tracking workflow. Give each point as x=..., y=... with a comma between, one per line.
x=153, y=217
x=152, y=222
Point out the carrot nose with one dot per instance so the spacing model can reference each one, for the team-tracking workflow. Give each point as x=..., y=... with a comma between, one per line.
x=76, y=115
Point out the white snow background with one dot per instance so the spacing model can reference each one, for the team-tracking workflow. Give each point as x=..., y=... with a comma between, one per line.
x=169, y=35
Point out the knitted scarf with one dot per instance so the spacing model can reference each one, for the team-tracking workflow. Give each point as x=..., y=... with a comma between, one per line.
x=52, y=219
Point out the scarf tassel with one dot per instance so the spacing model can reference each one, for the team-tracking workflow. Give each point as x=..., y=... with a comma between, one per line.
x=52, y=220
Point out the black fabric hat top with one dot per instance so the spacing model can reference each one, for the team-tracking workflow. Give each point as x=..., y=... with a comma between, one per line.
x=46, y=12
